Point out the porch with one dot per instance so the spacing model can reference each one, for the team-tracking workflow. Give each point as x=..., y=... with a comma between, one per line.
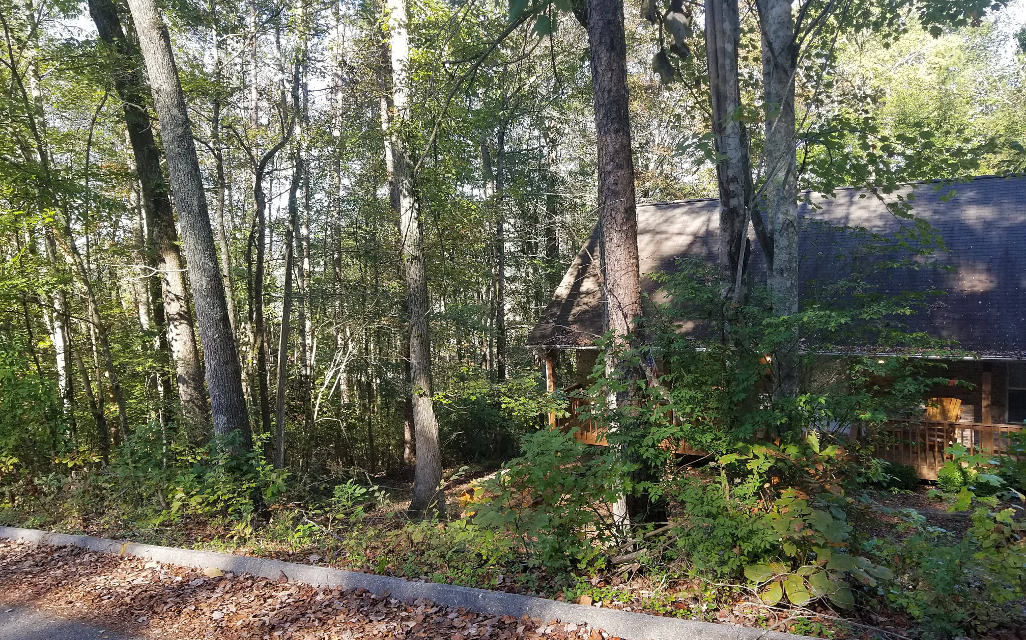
x=921, y=444
x=918, y=444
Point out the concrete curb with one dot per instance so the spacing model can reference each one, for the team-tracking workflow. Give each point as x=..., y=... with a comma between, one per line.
x=625, y=624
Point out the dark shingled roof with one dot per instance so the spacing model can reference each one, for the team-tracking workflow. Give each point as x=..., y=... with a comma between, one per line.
x=981, y=270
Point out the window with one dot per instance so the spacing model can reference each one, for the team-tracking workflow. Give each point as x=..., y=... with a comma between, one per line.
x=1016, y=392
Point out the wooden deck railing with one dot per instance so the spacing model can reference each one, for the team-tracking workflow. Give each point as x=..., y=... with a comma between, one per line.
x=586, y=431
x=920, y=445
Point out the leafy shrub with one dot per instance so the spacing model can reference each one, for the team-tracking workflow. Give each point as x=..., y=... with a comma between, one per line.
x=777, y=516
x=558, y=498
x=903, y=477
x=1012, y=468
x=955, y=586
x=483, y=421
x=969, y=470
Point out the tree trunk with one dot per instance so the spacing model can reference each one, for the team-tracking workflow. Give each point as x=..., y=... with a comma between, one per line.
x=621, y=278
x=780, y=197
x=616, y=199
x=494, y=174
x=291, y=235
x=60, y=336
x=97, y=325
x=60, y=327
x=151, y=314
x=221, y=229
x=733, y=170
x=102, y=430
x=181, y=333
x=257, y=288
x=428, y=471
x=223, y=373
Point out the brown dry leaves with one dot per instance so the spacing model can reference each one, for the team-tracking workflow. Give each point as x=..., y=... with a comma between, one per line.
x=172, y=603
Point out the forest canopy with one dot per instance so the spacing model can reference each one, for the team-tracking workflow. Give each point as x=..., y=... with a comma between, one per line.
x=257, y=252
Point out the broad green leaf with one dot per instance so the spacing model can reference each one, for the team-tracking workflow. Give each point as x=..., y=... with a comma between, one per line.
x=662, y=66
x=964, y=500
x=813, y=440
x=821, y=520
x=543, y=26
x=820, y=584
x=797, y=593
x=841, y=562
x=843, y=598
x=516, y=7
x=758, y=573
x=772, y=594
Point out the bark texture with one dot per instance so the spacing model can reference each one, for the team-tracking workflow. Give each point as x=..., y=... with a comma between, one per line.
x=733, y=167
x=616, y=199
x=621, y=278
x=223, y=373
x=428, y=467
x=156, y=201
x=780, y=191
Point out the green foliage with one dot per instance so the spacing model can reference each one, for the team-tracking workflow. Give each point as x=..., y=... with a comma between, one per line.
x=483, y=421
x=777, y=516
x=969, y=471
x=1012, y=467
x=557, y=498
x=960, y=586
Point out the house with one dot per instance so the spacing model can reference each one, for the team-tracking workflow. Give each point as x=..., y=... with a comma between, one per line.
x=980, y=272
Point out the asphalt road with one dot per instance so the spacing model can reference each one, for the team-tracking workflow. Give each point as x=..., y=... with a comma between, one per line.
x=20, y=623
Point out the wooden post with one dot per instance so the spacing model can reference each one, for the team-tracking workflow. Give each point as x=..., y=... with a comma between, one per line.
x=550, y=379
x=985, y=417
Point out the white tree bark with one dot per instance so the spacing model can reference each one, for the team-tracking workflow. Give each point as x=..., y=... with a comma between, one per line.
x=780, y=191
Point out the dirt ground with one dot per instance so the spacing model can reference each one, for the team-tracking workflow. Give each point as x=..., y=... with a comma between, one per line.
x=155, y=600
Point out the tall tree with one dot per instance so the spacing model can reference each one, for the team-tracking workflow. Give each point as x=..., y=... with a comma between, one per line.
x=428, y=466
x=223, y=371
x=780, y=191
x=617, y=208
x=156, y=203
x=733, y=165
x=292, y=237
x=616, y=200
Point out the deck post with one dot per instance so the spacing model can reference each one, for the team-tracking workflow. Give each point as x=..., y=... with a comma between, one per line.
x=985, y=416
x=550, y=379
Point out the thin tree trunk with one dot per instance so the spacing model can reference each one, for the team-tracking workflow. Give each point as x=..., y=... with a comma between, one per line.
x=495, y=177
x=221, y=229
x=60, y=336
x=102, y=430
x=223, y=373
x=733, y=169
x=428, y=469
x=102, y=339
x=147, y=295
x=779, y=65
x=32, y=97
x=181, y=333
x=286, y=304
x=257, y=288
